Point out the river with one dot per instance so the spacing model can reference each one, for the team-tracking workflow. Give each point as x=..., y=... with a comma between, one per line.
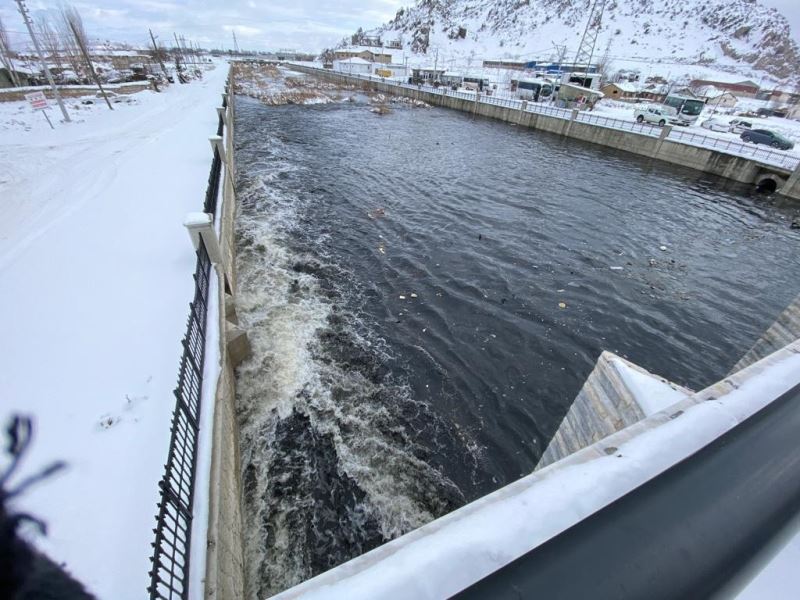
x=426, y=292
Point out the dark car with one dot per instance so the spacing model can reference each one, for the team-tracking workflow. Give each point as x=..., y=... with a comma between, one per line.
x=770, y=138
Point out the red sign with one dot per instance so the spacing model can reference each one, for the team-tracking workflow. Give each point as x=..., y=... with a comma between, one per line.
x=37, y=99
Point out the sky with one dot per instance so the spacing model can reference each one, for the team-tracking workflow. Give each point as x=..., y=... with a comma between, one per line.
x=259, y=24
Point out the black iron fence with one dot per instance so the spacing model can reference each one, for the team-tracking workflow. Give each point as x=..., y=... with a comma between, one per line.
x=169, y=577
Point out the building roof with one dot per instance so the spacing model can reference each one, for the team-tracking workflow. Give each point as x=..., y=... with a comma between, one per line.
x=354, y=61
x=22, y=69
x=710, y=91
x=373, y=49
x=627, y=86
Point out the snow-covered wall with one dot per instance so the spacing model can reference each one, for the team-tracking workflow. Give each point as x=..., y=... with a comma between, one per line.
x=224, y=555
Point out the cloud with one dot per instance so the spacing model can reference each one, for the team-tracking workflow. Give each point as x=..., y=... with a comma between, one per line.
x=259, y=24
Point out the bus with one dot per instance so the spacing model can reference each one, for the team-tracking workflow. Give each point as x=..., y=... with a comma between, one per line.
x=534, y=89
x=682, y=109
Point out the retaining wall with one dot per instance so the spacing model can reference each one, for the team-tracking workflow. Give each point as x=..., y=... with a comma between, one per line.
x=73, y=91
x=736, y=168
x=225, y=553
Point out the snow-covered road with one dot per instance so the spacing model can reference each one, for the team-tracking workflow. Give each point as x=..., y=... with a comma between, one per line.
x=95, y=280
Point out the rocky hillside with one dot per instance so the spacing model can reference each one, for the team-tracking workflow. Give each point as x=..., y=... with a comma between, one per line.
x=722, y=33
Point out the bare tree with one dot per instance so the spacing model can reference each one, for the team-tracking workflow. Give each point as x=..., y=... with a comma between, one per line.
x=6, y=55
x=605, y=65
x=73, y=18
x=70, y=51
x=48, y=37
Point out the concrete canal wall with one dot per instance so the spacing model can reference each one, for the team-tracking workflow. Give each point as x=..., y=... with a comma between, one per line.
x=225, y=553
x=729, y=166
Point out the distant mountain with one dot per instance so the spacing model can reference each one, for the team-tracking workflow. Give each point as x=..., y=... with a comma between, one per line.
x=734, y=35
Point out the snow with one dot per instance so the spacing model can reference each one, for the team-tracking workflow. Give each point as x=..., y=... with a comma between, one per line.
x=450, y=553
x=95, y=282
x=353, y=61
x=626, y=86
x=652, y=393
x=787, y=127
x=672, y=38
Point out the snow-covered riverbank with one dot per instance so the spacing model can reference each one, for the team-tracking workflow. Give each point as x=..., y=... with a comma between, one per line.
x=95, y=281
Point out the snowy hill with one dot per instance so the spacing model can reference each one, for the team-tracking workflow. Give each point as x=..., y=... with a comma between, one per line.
x=738, y=36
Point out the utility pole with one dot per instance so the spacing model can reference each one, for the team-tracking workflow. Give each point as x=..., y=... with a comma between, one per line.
x=27, y=18
x=435, y=62
x=158, y=54
x=235, y=43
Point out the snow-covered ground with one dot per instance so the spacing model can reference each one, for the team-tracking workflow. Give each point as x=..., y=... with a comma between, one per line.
x=95, y=281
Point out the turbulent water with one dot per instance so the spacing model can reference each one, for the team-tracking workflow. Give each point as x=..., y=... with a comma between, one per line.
x=402, y=278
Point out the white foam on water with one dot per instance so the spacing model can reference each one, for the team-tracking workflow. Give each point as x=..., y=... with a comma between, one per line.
x=284, y=310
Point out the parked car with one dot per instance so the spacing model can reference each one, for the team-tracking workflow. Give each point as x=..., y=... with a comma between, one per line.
x=740, y=126
x=772, y=112
x=651, y=115
x=715, y=125
x=770, y=138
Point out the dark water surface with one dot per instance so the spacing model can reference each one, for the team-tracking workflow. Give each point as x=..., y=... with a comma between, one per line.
x=365, y=414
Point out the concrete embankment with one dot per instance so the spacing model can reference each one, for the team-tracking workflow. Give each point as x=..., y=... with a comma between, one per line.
x=225, y=553
x=729, y=166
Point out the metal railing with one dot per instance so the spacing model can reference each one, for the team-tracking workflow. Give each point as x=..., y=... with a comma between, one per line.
x=769, y=156
x=169, y=577
x=611, y=123
x=773, y=157
x=550, y=111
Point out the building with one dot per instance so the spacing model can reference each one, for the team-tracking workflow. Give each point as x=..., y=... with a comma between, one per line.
x=390, y=71
x=716, y=98
x=746, y=88
x=23, y=75
x=514, y=65
x=424, y=74
x=781, y=97
x=622, y=90
x=654, y=92
x=369, y=55
x=353, y=66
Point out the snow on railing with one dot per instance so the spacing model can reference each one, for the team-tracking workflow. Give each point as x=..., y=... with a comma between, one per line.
x=611, y=123
x=550, y=111
x=169, y=577
x=766, y=155
x=514, y=103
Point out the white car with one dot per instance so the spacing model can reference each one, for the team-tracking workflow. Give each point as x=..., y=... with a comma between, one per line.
x=651, y=115
x=740, y=126
x=715, y=125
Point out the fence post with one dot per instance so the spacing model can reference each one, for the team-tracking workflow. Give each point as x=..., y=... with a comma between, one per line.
x=216, y=144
